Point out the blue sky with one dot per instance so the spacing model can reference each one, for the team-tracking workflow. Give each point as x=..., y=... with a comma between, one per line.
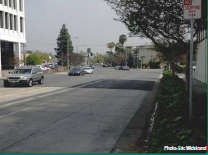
x=90, y=20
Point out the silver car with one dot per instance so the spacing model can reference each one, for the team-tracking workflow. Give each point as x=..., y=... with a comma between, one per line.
x=24, y=76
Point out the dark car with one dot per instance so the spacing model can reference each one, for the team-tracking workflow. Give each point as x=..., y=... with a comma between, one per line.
x=76, y=71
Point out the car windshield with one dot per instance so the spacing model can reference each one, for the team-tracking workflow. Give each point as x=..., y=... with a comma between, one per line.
x=87, y=68
x=76, y=69
x=22, y=71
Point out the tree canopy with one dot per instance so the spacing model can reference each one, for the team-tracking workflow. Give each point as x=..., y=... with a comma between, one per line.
x=33, y=59
x=122, y=39
x=159, y=20
x=62, y=41
x=111, y=45
x=43, y=56
x=76, y=59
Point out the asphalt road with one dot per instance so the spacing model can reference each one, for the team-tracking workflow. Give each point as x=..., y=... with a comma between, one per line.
x=86, y=114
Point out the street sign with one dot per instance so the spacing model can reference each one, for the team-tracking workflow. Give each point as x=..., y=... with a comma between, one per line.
x=192, y=9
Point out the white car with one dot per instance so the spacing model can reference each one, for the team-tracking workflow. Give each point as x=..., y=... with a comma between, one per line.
x=41, y=67
x=88, y=70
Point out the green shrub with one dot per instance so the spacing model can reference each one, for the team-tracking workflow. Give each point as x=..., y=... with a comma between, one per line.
x=33, y=59
x=154, y=65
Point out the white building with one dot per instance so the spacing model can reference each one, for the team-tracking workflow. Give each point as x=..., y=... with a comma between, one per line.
x=201, y=64
x=12, y=33
x=146, y=52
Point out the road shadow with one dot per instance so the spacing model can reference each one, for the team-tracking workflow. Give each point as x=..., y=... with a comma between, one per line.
x=121, y=84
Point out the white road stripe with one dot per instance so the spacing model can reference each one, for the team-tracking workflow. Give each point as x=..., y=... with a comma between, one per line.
x=10, y=114
x=55, y=93
x=13, y=103
x=16, y=112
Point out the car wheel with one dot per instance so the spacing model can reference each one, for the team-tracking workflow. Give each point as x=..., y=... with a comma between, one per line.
x=41, y=81
x=30, y=83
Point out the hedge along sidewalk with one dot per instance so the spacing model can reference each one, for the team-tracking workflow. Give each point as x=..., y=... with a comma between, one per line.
x=172, y=126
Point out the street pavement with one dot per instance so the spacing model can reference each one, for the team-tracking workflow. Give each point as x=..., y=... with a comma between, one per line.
x=86, y=114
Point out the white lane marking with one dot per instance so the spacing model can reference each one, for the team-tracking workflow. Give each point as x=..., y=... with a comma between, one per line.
x=10, y=114
x=13, y=103
x=16, y=112
x=55, y=93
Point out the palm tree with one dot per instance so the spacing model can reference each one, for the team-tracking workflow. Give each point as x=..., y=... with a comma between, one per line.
x=111, y=46
x=122, y=39
x=119, y=49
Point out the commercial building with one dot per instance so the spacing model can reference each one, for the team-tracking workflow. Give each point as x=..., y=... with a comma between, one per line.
x=12, y=33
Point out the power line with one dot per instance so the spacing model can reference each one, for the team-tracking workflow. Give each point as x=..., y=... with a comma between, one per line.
x=132, y=44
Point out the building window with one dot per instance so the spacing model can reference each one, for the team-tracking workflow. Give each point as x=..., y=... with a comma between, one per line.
x=1, y=20
x=0, y=1
x=21, y=24
x=14, y=4
x=7, y=55
x=5, y=2
x=10, y=3
x=15, y=23
x=6, y=21
x=11, y=22
x=20, y=5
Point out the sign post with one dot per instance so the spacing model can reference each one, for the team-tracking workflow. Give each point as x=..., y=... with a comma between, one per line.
x=192, y=10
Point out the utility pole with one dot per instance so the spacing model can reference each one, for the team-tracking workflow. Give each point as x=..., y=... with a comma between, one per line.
x=126, y=56
x=191, y=73
x=68, y=55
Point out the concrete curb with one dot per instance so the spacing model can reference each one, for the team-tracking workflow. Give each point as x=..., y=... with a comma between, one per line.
x=138, y=128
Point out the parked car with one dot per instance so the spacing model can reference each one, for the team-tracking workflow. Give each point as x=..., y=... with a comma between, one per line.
x=88, y=70
x=24, y=76
x=76, y=71
x=47, y=67
x=118, y=67
x=125, y=68
x=41, y=67
x=51, y=66
x=92, y=66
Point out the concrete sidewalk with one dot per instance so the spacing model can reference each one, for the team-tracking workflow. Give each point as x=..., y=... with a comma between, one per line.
x=199, y=87
x=139, y=126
